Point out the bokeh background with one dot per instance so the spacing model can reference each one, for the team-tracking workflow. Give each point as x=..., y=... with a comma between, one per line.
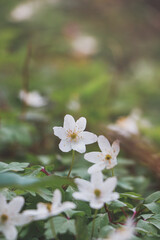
x=99, y=59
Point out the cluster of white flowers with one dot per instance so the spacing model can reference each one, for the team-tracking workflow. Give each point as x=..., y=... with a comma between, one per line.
x=10, y=215
x=97, y=192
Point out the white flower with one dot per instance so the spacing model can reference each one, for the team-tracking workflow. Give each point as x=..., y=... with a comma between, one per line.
x=10, y=216
x=123, y=233
x=73, y=136
x=33, y=99
x=96, y=192
x=105, y=159
x=45, y=210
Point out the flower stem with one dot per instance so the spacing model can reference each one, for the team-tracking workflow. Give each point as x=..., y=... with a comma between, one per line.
x=53, y=229
x=93, y=224
x=73, y=154
x=112, y=172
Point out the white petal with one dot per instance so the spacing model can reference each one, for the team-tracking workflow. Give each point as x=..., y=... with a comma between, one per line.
x=69, y=123
x=96, y=205
x=89, y=137
x=110, y=184
x=116, y=147
x=104, y=144
x=96, y=167
x=3, y=203
x=83, y=185
x=16, y=204
x=94, y=157
x=10, y=232
x=112, y=164
x=78, y=146
x=81, y=124
x=57, y=197
x=22, y=219
x=65, y=206
x=65, y=146
x=97, y=178
x=114, y=196
x=80, y=196
x=60, y=132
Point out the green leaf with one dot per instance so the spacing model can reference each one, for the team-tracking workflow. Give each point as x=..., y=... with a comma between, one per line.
x=154, y=222
x=14, y=166
x=146, y=216
x=153, y=207
x=125, y=185
x=61, y=225
x=31, y=183
x=131, y=195
x=146, y=227
x=153, y=197
x=117, y=204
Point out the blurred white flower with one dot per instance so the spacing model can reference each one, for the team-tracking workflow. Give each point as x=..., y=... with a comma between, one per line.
x=96, y=192
x=73, y=105
x=84, y=45
x=26, y=10
x=45, y=210
x=123, y=233
x=10, y=216
x=130, y=125
x=105, y=159
x=33, y=99
x=73, y=136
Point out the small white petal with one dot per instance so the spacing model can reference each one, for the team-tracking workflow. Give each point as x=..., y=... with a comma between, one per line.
x=110, y=184
x=78, y=146
x=83, y=185
x=65, y=206
x=69, y=122
x=94, y=157
x=65, y=146
x=80, y=196
x=60, y=132
x=89, y=137
x=112, y=164
x=96, y=167
x=104, y=144
x=57, y=197
x=96, y=205
x=97, y=178
x=22, y=219
x=116, y=147
x=10, y=232
x=16, y=204
x=81, y=124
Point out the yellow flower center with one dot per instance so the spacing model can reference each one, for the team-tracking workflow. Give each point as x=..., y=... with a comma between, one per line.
x=97, y=192
x=4, y=218
x=73, y=136
x=108, y=158
x=49, y=207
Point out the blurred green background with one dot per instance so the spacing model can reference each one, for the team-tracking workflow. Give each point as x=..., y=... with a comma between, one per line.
x=98, y=59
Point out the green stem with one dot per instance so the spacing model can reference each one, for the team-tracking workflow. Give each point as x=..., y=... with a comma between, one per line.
x=112, y=172
x=93, y=224
x=53, y=229
x=73, y=154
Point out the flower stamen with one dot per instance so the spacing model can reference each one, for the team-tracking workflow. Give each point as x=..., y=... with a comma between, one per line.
x=4, y=218
x=108, y=158
x=97, y=192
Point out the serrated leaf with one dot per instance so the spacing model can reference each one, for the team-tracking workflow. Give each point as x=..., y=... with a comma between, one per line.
x=153, y=207
x=61, y=226
x=131, y=195
x=13, y=166
x=117, y=204
x=153, y=197
x=81, y=229
x=146, y=227
x=154, y=222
